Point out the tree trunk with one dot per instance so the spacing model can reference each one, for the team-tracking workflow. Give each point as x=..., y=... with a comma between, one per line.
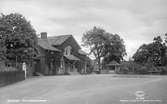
x=99, y=65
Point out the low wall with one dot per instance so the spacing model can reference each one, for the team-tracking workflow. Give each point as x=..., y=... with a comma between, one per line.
x=9, y=77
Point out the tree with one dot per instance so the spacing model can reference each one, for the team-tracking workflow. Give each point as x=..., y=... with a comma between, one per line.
x=94, y=39
x=18, y=37
x=164, y=57
x=114, y=48
x=104, y=45
x=166, y=38
x=152, y=53
x=159, y=51
x=2, y=44
x=142, y=54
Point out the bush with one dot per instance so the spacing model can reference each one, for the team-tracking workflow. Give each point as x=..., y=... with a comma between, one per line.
x=130, y=67
x=136, y=67
x=125, y=70
x=7, y=69
x=163, y=70
x=142, y=70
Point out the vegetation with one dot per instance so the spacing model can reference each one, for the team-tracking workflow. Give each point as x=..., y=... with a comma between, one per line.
x=114, y=48
x=149, y=58
x=18, y=43
x=94, y=39
x=17, y=37
x=104, y=46
x=154, y=53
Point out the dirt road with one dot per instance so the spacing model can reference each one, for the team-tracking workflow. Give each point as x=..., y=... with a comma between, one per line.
x=86, y=89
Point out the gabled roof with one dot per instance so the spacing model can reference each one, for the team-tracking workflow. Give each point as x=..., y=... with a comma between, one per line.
x=58, y=40
x=113, y=63
x=72, y=57
x=46, y=45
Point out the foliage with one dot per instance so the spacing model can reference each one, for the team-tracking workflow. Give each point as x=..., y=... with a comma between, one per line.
x=131, y=66
x=124, y=68
x=95, y=40
x=163, y=69
x=166, y=38
x=154, y=53
x=2, y=42
x=7, y=69
x=142, y=54
x=18, y=37
x=142, y=70
x=104, y=45
x=114, y=48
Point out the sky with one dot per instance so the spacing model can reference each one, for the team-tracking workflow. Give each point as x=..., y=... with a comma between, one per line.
x=136, y=21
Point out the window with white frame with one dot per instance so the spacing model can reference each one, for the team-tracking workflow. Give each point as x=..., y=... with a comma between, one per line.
x=67, y=50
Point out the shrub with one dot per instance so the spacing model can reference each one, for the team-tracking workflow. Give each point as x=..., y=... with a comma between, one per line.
x=131, y=67
x=163, y=70
x=125, y=70
x=7, y=69
x=142, y=70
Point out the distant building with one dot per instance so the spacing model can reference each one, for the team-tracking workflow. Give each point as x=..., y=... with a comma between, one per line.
x=111, y=68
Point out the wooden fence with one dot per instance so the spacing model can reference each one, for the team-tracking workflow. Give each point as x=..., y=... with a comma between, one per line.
x=9, y=77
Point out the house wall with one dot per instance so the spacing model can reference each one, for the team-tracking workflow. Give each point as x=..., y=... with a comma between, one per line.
x=80, y=65
x=53, y=61
x=41, y=65
x=49, y=62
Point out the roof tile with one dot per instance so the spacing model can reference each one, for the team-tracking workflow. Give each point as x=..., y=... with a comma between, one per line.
x=46, y=45
x=58, y=40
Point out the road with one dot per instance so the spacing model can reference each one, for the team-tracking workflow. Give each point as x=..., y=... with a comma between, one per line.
x=86, y=89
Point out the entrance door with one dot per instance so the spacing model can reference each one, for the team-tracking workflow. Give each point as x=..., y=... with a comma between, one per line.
x=37, y=66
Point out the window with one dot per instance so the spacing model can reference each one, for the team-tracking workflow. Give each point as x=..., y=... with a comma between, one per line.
x=67, y=50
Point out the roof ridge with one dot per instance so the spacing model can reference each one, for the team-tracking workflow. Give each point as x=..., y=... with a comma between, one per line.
x=59, y=36
x=44, y=43
x=58, y=40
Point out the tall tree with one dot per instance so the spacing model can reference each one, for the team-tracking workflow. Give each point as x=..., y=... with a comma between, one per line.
x=164, y=57
x=94, y=39
x=104, y=45
x=114, y=48
x=18, y=36
x=2, y=43
x=158, y=50
x=151, y=53
x=142, y=54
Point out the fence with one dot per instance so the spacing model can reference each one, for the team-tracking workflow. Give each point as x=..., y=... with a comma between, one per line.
x=9, y=77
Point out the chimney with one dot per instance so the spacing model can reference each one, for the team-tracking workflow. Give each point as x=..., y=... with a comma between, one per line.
x=43, y=35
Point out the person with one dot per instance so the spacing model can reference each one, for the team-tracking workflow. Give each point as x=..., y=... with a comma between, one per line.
x=24, y=69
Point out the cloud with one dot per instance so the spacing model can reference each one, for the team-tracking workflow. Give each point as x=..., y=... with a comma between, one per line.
x=136, y=21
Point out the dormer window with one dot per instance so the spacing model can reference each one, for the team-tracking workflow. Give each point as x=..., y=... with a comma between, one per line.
x=67, y=50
